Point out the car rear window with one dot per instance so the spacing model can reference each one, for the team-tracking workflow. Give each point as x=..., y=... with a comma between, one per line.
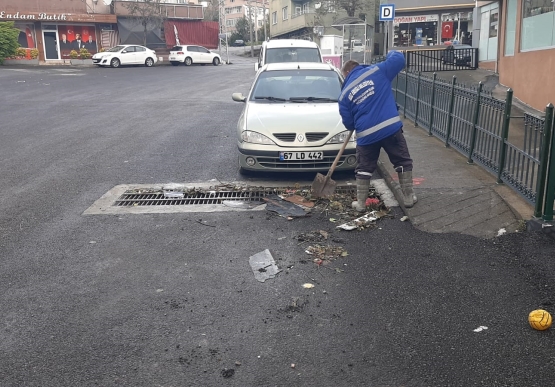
x=177, y=48
x=292, y=54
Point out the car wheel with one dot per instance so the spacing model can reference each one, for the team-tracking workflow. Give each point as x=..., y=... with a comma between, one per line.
x=174, y=63
x=149, y=62
x=188, y=61
x=216, y=61
x=115, y=63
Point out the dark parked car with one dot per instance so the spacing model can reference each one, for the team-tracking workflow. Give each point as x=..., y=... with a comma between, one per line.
x=239, y=43
x=459, y=54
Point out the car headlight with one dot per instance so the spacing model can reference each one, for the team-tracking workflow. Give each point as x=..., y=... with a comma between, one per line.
x=340, y=137
x=256, y=138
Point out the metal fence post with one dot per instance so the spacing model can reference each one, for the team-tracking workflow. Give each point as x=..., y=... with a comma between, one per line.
x=505, y=134
x=544, y=158
x=432, y=101
x=406, y=92
x=550, y=191
x=450, y=117
x=417, y=100
x=397, y=88
x=475, y=123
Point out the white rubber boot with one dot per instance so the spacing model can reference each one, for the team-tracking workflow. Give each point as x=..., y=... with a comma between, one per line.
x=363, y=188
x=405, y=181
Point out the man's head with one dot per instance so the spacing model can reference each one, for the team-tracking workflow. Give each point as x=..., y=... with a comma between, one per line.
x=64, y=37
x=90, y=38
x=77, y=36
x=348, y=66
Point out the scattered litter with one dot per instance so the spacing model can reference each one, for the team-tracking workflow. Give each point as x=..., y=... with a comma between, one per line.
x=241, y=204
x=480, y=328
x=333, y=220
x=173, y=194
x=404, y=218
x=313, y=236
x=20, y=81
x=308, y=286
x=373, y=203
x=263, y=266
x=228, y=372
x=300, y=200
x=366, y=220
x=237, y=363
x=501, y=231
x=283, y=208
x=281, y=238
x=292, y=365
x=546, y=225
x=92, y=242
x=159, y=290
x=326, y=252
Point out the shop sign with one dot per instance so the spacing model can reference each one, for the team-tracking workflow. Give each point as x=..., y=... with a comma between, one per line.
x=415, y=19
x=33, y=16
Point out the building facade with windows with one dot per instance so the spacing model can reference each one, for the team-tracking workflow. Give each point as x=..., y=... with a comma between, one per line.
x=527, y=50
x=302, y=19
x=235, y=10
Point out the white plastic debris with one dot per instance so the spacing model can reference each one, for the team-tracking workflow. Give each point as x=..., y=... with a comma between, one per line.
x=480, y=328
x=501, y=231
x=308, y=286
x=404, y=218
x=173, y=195
x=358, y=222
x=263, y=266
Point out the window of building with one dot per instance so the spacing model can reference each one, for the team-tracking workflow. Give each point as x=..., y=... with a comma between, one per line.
x=510, y=28
x=274, y=17
x=305, y=7
x=330, y=6
x=538, y=19
x=285, y=13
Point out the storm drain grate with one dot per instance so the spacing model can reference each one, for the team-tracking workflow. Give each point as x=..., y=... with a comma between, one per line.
x=197, y=196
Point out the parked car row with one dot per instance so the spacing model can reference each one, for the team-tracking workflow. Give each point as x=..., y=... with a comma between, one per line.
x=132, y=54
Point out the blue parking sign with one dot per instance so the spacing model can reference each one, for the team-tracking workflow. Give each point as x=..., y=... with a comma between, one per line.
x=387, y=12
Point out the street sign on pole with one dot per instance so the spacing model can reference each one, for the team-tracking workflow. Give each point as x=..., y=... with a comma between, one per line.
x=387, y=12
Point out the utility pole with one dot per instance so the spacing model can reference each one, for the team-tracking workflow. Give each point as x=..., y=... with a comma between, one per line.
x=265, y=24
x=250, y=25
x=256, y=23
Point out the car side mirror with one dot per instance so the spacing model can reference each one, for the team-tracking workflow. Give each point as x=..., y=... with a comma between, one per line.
x=238, y=97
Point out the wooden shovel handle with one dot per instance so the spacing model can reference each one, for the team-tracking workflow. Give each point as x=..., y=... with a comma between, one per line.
x=330, y=172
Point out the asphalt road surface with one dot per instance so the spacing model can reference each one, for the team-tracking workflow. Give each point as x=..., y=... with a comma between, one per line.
x=171, y=300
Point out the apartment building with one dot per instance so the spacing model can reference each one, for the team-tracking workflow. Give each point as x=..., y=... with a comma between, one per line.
x=235, y=10
x=302, y=19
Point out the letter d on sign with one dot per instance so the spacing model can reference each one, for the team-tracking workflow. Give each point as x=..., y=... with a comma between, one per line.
x=387, y=12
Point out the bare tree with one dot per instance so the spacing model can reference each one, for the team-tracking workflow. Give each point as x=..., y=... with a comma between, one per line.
x=147, y=13
x=351, y=6
x=212, y=9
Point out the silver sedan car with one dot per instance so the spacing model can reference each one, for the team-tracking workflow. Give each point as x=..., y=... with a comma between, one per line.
x=291, y=120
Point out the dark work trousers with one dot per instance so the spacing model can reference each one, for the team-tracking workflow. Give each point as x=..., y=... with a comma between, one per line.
x=396, y=148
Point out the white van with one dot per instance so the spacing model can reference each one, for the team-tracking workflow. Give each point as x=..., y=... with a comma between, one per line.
x=288, y=50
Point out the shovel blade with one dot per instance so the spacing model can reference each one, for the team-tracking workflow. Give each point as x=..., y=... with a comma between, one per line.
x=322, y=187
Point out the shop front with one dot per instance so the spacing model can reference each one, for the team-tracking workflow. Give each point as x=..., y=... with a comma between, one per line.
x=456, y=27
x=55, y=35
x=415, y=30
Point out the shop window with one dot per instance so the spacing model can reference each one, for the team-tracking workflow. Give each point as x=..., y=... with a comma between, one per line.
x=27, y=37
x=538, y=19
x=510, y=28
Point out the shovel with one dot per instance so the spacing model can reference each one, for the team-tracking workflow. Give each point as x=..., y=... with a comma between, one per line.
x=324, y=186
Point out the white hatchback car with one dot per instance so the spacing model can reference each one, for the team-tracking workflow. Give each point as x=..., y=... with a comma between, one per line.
x=189, y=54
x=125, y=54
x=291, y=120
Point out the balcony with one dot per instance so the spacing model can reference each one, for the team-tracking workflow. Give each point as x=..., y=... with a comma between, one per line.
x=295, y=22
x=168, y=10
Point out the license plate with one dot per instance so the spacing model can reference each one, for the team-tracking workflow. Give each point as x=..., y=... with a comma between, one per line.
x=301, y=155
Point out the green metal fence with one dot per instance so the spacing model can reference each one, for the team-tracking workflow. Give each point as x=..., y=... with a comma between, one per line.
x=519, y=151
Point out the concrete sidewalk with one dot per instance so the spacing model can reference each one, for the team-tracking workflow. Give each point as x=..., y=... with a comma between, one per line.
x=454, y=196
